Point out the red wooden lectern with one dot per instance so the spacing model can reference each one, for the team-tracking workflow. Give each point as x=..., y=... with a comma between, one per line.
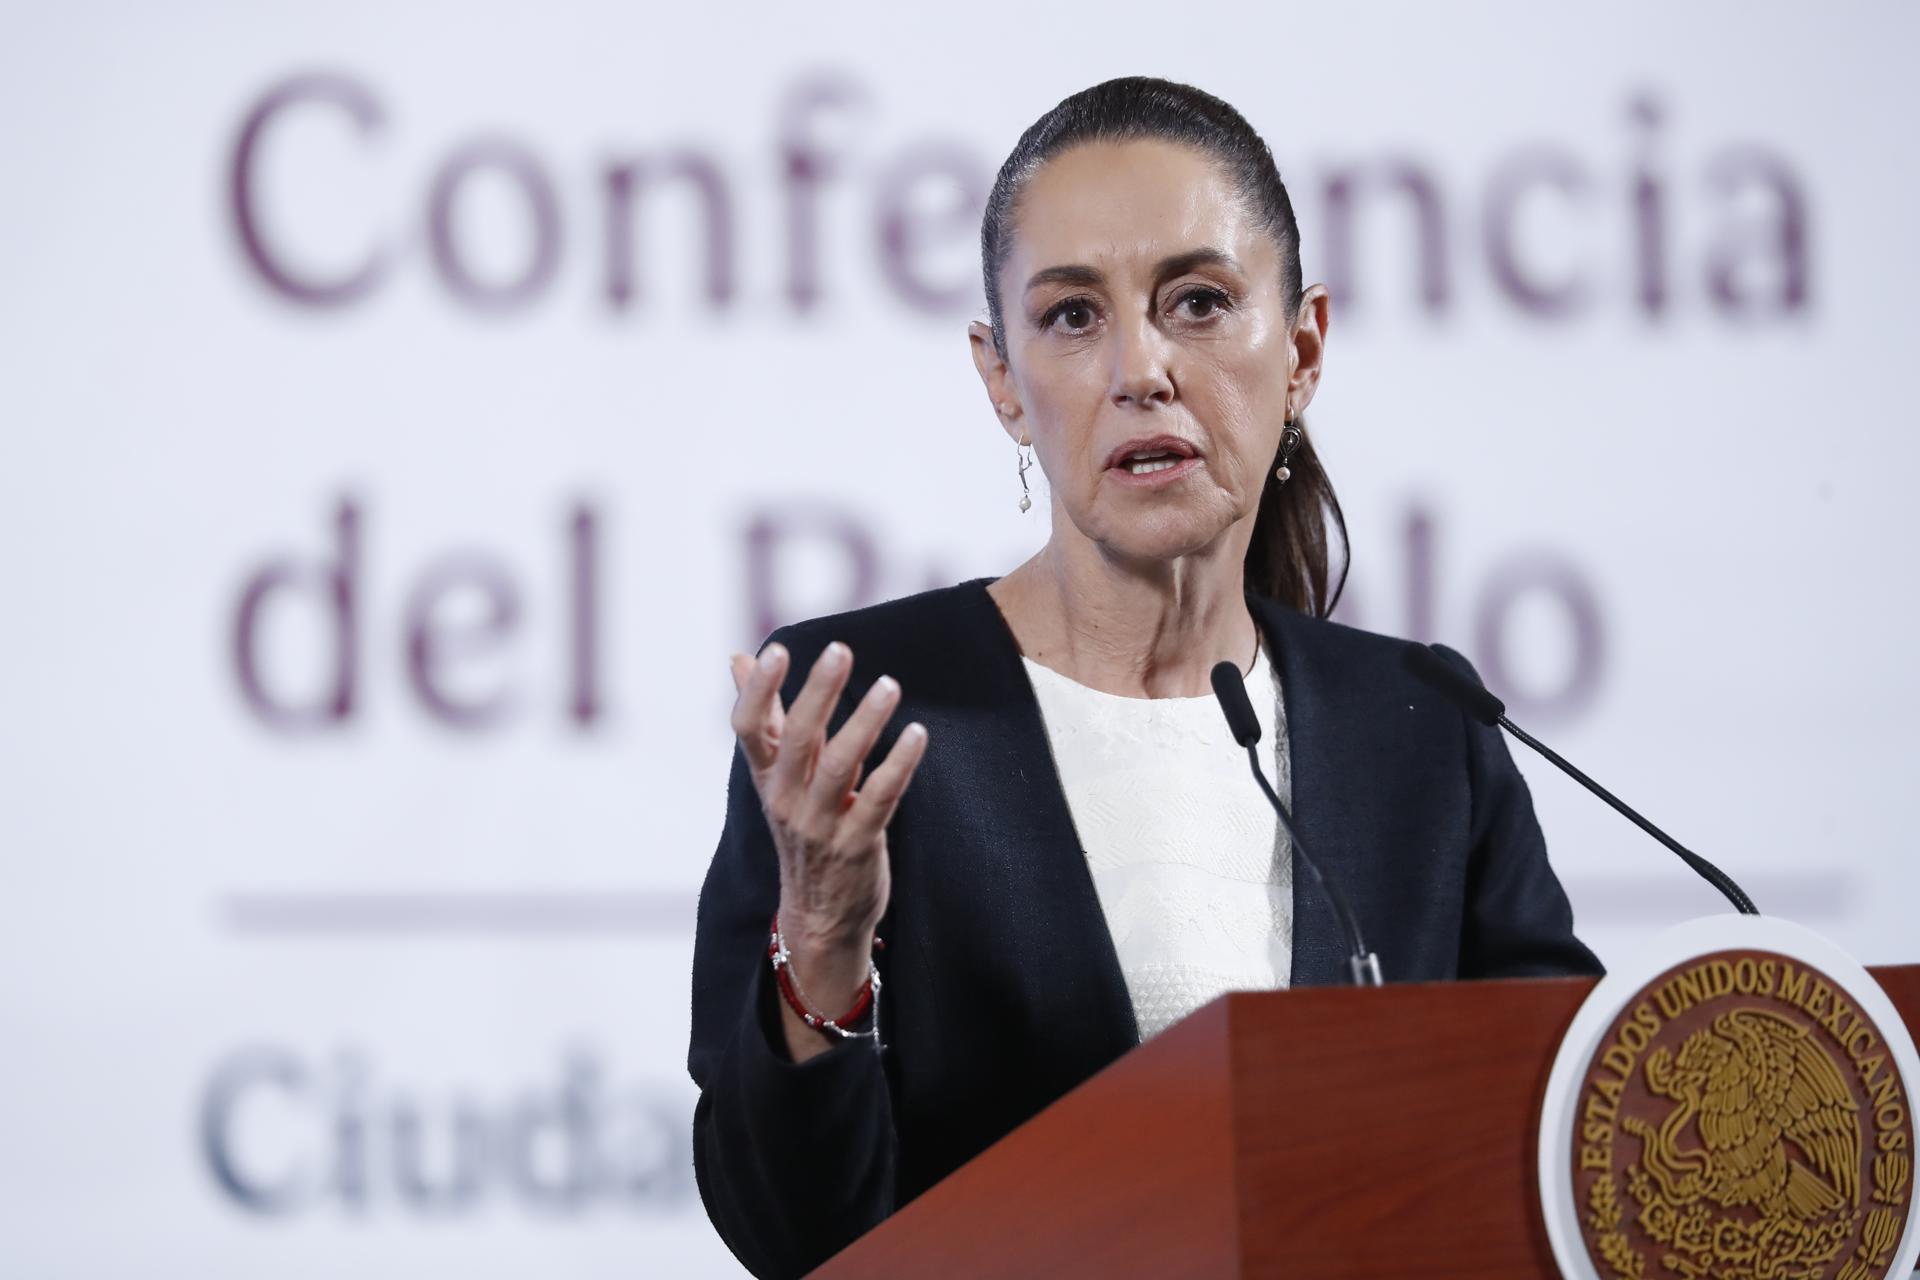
x=1316, y=1133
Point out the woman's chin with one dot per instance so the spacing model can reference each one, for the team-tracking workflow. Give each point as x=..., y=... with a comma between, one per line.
x=1164, y=536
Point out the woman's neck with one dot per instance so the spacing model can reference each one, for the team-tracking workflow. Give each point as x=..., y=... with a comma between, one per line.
x=1150, y=630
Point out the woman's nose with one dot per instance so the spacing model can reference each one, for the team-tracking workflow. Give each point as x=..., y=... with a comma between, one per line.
x=1141, y=372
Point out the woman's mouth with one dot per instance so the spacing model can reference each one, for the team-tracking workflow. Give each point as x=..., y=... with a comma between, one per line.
x=1149, y=464
x=1153, y=470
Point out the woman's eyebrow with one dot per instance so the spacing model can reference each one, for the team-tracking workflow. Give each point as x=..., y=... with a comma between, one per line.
x=1074, y=274
x=1181, y=263
x=1178, y=264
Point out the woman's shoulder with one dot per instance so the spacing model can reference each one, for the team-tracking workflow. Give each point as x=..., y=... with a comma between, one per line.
x=1327, y=639
x=939, y=624
x=1351, y=662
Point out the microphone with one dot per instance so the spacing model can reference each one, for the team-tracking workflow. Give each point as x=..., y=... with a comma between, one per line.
x=1362, y=965
x=1454, y=685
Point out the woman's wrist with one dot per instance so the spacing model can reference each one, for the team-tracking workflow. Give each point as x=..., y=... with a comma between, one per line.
x=831, y=942
x=809, y=1026
x=833, y=974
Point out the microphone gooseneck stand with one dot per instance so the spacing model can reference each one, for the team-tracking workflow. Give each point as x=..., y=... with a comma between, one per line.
x=1449, y=682
x=1363, y=966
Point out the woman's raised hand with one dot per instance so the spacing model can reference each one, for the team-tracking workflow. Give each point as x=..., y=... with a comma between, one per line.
x=829, y=826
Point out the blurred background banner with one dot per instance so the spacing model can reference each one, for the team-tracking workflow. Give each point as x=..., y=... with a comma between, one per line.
x=408, y=409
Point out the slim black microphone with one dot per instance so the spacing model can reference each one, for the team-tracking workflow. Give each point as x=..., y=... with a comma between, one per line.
x=1362, y=965
x=1453, y=684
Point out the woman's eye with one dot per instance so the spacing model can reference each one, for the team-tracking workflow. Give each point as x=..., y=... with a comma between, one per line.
x=1076, y=312
x=1201, y=304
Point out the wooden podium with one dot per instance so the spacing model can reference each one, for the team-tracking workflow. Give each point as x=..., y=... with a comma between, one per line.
x=1317, y=1133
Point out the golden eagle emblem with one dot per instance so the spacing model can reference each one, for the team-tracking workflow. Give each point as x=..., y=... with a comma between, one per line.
x=1741, y=1121
x=1775, y=1123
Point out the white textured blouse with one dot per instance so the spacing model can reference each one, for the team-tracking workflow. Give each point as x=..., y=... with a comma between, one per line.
x=1194, y=874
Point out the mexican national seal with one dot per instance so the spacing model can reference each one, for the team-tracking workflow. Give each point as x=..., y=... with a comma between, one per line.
x=1743, y=1115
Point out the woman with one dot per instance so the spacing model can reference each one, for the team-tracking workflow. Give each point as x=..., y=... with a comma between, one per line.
x=1023, y=786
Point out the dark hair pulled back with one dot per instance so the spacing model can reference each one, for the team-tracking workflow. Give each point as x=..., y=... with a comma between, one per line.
x=1298, y=525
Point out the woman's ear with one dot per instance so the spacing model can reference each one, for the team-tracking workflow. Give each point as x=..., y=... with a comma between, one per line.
x=1309, y=342
x=998, y=380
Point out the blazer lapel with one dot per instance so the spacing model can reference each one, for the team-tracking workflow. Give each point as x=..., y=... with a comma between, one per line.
x=1320, y=758
x=1072, y=926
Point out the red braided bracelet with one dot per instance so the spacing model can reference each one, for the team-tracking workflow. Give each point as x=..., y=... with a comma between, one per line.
x=790, y=991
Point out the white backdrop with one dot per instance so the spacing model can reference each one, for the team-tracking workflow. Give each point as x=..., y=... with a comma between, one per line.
x=522, y=363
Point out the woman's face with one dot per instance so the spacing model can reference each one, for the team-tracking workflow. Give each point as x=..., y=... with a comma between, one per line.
x=1150, y=358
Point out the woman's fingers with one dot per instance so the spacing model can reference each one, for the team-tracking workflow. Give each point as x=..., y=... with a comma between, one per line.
x=757, y=715
x=806, y=723
x=804, y=778
x=838, y=771
x=880, y=795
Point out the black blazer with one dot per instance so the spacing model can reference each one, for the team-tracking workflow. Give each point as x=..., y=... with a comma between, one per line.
x=1001, y=989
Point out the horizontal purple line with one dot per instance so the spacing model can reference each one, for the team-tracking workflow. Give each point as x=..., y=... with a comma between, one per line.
x=518, y=913
x=641, y=913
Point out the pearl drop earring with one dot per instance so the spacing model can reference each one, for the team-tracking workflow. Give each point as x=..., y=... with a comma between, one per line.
x=1289, y=441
